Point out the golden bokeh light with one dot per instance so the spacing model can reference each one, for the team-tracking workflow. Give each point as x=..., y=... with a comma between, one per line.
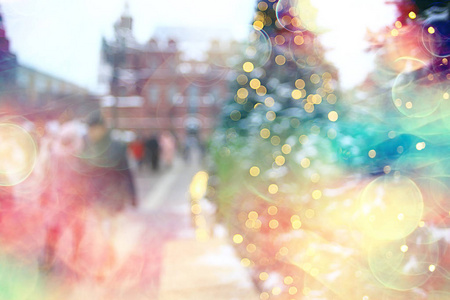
x=305, y=162
x=273, y=189
x=264, y=133
x=286, y=149
x=272, y=210
x=255, y=83
x=280, y=60
x=254, y=171
x=248, y=67
x=237, y=238
x=333, y=116
x=269, y=102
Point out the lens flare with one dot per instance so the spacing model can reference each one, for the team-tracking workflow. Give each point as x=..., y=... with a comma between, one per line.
x=391, y=207
x=17, y=154
x=416, y=98
x=297, y=15
x=403, y=270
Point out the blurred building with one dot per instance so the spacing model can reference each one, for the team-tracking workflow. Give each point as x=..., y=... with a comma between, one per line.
x=154, y=87
x=27, y=91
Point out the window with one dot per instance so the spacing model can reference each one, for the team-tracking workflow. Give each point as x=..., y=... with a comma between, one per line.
x=193, y=99
x=153, y=93
x=172, y=92
x=23, y=79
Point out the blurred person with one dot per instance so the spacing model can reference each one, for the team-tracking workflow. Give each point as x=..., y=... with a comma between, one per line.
x=62, y=201
x=192, y=149
x=168, y=147
x=137, y=150
x=110, y=183
x=152, y=151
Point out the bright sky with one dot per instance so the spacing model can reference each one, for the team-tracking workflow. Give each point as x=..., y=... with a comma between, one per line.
x=62, y=37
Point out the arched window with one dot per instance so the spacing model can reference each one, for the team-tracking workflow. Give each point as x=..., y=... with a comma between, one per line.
x=193, y=99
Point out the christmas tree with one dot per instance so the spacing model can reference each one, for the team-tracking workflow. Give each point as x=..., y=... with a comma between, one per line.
x=332, y=195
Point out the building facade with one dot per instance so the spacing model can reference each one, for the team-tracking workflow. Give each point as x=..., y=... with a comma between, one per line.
x=153, y=89
x=29, y=92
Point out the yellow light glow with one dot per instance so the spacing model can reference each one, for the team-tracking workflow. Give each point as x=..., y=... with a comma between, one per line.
x=242, y=79
x=262, y=6
x=254, y=171
x=315, y=178
x=275, y=140
x=296, y=94
x=248, y=67
x=273, y=189
x=372, y=153
x=309, y=108
x=242, y=93
x=263, y=276
x=264, y=133
x=331, y=98
x=199, y=185
x=237, y=238
x=315, y=78
x=255, y=83
x=269, y=102
x=276, y=291
x=280, y=40
x=394, y=32
x=305, y=163
x=316, y=99
x=420, y=146
x=412, y=15
x=296, y=224
x=273, y=224
x=249, y=223
x=272, y=210
x=298, y=40
x=245, y=262
x=317, y=194
x=431, y=30
x=300, y=84
x=280, y=160
x=288, y=280
x=196, y=209
x=292, y=290
x=286, y=149
x=432, y=268
x=404, y=248
x=253, y=215
x=280, y=60
x=251, y=248
x=333, y=116
x=261, y=91
x=303, y=139
x=398, y=24
x=258, y=25
x=271, y=115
